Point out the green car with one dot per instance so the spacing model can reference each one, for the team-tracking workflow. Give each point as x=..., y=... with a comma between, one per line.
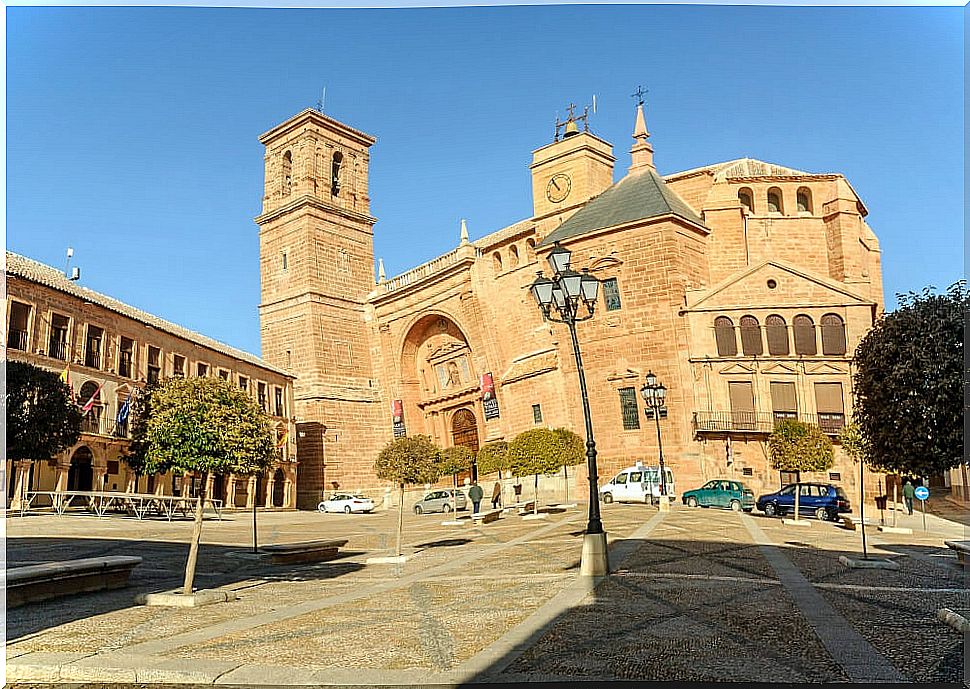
x=721, y=493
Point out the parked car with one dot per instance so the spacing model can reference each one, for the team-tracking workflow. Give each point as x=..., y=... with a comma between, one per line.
x=440, y=501
x=345, y=502
x=637, y=484
x=721, y=493
x=823, y=500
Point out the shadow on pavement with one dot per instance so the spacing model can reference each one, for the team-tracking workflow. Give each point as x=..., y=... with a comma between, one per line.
x=162, y=568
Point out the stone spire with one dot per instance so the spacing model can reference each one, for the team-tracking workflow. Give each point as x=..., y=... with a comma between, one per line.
x=464, y=232
x=380, y=271
x=641, y=155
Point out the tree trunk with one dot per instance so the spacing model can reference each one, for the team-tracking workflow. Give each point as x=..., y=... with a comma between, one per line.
x=535, y=504
x=400, y=521
x=196, y=538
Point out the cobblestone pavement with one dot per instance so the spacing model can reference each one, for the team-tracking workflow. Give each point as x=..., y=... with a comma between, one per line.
x=695, y=599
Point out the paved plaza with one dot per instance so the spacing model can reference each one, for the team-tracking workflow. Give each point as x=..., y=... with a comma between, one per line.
x=697, y=595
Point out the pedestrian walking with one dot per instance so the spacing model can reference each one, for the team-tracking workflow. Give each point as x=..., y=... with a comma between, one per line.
x=496, y=495
x=909, y=492
x=475, y=493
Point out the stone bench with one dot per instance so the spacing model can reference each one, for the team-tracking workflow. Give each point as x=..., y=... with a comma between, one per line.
x=54, y=579
x=487, y=517
x=852, y=522
x=305, y=551
x=962, y=548
x=522, y=507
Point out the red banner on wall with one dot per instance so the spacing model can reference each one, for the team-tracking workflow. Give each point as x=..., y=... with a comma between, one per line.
x=397, y=414
x=489, y=400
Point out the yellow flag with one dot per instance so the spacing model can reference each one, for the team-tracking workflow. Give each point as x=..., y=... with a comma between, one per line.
x=282, y=441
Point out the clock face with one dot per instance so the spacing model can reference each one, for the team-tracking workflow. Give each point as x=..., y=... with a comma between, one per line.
x=558, y=187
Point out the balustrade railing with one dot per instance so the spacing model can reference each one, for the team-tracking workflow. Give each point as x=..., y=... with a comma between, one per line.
x=761, y=422
x=17, y=339
x=422, y=271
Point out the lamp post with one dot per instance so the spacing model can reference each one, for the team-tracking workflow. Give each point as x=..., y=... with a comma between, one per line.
x=655, y=395
x=571, y=296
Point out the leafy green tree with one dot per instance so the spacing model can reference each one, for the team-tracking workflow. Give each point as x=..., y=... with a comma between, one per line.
x=408, y=461
x=533, y=452
x=453, y=461
x=796, y=446
x=909, y=383
x=573, y=453
x=493, y=457
x=42, y=417
x=139, y=411
x=205, y=425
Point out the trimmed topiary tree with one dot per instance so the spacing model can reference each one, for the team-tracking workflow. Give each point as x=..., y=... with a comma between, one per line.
x=455, y=460
x=408, y=461
x=533, y=452
x=796, y=446
x=205, y=425
x=493, y=457
x=573, y=453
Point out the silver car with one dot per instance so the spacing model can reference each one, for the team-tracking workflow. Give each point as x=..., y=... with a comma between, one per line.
x=440, y=501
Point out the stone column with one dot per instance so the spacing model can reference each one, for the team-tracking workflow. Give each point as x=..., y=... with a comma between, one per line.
x=209, y=481
x=270, y=484
x=287, y=492
x=250, y=492
x=99, y=474
x=60, y=484
x=22, y=467
x=231, y=490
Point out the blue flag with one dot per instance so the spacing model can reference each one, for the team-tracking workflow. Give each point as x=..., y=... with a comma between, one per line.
x=125, y=408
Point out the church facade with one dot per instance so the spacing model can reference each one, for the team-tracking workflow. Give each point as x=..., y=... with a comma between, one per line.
x=745, y=286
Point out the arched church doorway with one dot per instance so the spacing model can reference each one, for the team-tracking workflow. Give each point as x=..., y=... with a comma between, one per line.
x=278, y=480
x=81, y=476
x=464, y=431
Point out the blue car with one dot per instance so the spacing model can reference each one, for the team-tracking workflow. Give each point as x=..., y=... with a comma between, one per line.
x=823, y=500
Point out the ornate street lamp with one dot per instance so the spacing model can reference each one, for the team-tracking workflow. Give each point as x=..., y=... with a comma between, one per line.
x=655, y=395
x=570, y=297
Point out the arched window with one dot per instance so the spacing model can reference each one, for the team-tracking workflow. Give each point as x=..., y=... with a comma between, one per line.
x=727, y=341
x=497, y=262
x=287, y=173
x=804, y=200
x=530, y=245
x=833, y=335
x=338, y=159
x=774, y=201
x=776, y=331
x=513, y=256
x=751, y=336
x=804, y=328
x=747, y=199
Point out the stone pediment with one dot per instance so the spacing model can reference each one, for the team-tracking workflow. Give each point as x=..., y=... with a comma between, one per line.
x=446, y=350
x=749, y=290
x=531, y=365
x=780, y=368
x=826, y=368
x=622, y=376
x=737, y=369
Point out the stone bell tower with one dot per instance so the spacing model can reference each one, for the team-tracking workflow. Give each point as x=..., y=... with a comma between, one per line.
x=316, y=269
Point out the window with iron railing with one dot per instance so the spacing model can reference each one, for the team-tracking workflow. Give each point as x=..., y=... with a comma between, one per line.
x=611, y=294
x=630, y=409
x=57, y=345
x=261, y=395
x=17, y=330
x=125, y=356
x=178, y=366
x=279, y=402
x=92, y=347
x=154, y=364
x=536, y=414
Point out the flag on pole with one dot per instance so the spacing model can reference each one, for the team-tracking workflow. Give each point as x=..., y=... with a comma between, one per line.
x=90, y=403
x=66, y=375
x=282, y=441
x=125, y=408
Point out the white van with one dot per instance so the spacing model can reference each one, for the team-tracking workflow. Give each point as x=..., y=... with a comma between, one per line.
x=637, y=484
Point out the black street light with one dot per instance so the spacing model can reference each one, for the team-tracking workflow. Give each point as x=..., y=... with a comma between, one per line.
x=571, y=296
x=655, y=395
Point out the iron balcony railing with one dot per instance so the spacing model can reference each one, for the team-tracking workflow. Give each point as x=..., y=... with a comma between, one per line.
x=17, y=339
x=92, y=357
x=96, y=424
x=57, y=349
x=124, y=364
x=761, y=422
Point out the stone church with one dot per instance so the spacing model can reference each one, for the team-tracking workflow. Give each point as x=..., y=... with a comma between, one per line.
x=743, y=285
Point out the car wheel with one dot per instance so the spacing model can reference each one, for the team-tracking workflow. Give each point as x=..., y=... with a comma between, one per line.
x=446, y=508
x=322, y=507
x=607, y=498
x=692, y=501
x=735, y=506
x=417, y=509
x=347, y=509
x=771, y=509
x=822, y=514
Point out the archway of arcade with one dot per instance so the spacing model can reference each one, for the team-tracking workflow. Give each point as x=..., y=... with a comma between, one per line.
x=440, y=387
x=81, y=474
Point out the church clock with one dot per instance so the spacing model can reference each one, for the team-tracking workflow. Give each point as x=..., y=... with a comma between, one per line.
x=558, y=187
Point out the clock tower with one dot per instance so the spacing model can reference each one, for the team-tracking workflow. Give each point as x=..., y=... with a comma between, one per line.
x=567, y=173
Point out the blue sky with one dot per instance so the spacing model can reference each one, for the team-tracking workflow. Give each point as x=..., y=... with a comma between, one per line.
x=132, y=132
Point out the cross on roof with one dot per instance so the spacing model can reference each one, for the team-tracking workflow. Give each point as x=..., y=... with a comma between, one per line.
x=571, y=109
x=639, y=94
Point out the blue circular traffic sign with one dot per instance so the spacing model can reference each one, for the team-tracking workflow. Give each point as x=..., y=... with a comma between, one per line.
x=922, y=493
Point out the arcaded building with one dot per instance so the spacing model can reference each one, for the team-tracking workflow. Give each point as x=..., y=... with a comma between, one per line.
x=743, y=285
x=108, y=348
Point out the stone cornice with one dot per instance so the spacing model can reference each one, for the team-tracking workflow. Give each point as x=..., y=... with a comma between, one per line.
x=311, y=115
x=313, y=202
